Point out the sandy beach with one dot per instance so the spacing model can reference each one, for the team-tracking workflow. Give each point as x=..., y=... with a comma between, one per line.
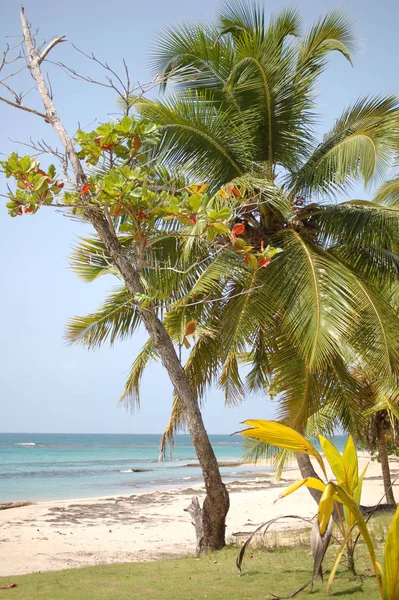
x=61, y=535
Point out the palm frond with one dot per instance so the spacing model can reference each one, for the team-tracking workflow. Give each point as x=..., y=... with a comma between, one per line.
x=90, y=259
x=388, y=193
x=209, y=144
x=362, y=144
x=116, y=319
x=131, y=392
x=191, y=56
x=175, y=424
x=333, y=32
x=375, y=338
x=304, y=276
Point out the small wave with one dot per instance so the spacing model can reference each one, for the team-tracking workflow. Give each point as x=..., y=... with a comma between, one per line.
x=25, y=444
x=186, y=478
x=126, y=471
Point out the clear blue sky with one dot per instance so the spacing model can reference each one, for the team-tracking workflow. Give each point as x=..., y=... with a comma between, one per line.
x=46, y=386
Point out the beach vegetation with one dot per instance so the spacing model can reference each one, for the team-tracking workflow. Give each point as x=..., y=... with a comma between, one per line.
x=239, y=105
x=339, y=501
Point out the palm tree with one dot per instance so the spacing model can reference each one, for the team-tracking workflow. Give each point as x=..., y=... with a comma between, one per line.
x=243, y=112
x=379, y=403
x=326, y=291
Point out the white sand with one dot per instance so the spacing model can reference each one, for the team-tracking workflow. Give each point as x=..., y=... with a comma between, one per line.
x=61, y=535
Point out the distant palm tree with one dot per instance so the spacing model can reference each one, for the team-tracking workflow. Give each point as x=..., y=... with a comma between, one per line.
x=244, y=112
x=379, y=401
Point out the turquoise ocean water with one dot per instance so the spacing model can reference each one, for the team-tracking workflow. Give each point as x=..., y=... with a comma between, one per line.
x=64, y=466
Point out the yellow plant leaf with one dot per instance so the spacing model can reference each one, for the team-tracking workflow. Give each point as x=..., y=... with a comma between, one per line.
x=337, y=560
x=357, y=492
x=197, y=188
x=277, y=434
x=351, y=465
x=309, y=482
x=348, y=501
x=186, y=343
x=326, y=506
x=391, y=560
x=334, y=459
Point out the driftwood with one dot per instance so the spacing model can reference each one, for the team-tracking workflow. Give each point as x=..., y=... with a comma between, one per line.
x=6, y=505
x=195, y=511
x=368, y=510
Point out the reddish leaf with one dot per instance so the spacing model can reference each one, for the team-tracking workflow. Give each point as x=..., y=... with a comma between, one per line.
x=41, y=172
x=98, y=140
x=136, y=142
x=193, y=219
x=107, y=146
x=233, y=191
x=117, y=210
x=28, y=210
x=85, y=189
x=190, y=328
x=142, y=215
x=199, y=188
x=264, y=262
x=144, y=242
x=59, y=184
x=20, y=211
x=238, y=229
x=246, y=259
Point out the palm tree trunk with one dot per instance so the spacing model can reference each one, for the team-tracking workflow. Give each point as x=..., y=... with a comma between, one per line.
x=307, y=470
x=386, y=473
x=216, y=504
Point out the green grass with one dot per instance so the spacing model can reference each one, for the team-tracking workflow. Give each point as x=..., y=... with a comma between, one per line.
x=213, y=577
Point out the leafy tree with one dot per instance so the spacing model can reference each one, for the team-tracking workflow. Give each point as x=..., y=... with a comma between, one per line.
x=135, y=211
x=243, y=111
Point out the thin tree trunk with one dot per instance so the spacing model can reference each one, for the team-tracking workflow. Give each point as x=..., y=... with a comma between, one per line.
x=216, y=503
x=386, y=473
x=307, y=470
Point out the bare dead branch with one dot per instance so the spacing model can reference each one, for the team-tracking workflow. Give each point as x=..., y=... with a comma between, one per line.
x=5, y=61
x=51, y=45
x=15, y=73
x=25, y=108
x=51, y=113
x=50, y=87
x=122, y=87
x=17, y=97
x=78, y=76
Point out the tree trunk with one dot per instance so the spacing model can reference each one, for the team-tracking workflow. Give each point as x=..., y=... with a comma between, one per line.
x=351, y=559
x=307, y=470
x=386, y=473
x=216, y=503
